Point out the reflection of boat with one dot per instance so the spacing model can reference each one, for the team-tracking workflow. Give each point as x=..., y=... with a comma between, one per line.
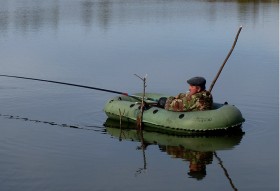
x=197, y=149
x=195, y=143
x=221, y=117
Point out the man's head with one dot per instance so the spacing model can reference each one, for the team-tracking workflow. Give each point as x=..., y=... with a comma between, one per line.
x=197, y=84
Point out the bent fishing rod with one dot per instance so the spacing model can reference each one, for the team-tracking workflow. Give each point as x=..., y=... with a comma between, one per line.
x=81, y=86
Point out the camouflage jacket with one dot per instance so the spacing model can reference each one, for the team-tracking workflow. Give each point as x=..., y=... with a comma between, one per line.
x=186, y=102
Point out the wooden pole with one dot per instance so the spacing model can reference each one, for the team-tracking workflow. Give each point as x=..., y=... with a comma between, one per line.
x=140, y=116
x=225, y=61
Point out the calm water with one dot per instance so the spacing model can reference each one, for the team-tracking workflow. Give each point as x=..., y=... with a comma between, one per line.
x=103, y=44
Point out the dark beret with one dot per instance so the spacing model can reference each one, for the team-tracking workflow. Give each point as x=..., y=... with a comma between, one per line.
x=197, y=81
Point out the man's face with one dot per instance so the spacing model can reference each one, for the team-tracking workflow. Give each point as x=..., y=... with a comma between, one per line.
x=194, y=89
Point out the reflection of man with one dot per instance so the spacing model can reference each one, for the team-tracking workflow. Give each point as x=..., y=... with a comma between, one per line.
x=197, y=171
x=198, y=160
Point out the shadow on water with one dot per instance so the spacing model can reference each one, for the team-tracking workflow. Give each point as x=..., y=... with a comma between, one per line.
x=197, y=149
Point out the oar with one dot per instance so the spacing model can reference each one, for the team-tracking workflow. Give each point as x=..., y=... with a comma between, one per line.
x=225, y=61
x=81, y=86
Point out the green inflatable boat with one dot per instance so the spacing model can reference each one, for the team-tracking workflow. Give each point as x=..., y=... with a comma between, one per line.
x=220, y=117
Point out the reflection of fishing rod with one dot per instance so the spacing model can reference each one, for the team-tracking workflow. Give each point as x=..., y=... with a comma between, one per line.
x=87, y=127
x=225, y=171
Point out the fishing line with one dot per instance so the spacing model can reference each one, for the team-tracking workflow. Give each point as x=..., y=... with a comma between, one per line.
x=98, y=129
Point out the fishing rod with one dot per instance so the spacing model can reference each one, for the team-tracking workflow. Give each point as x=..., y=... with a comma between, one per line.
x=81, y=86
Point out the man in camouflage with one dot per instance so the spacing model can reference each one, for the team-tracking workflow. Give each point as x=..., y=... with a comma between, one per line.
x=197, y=99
